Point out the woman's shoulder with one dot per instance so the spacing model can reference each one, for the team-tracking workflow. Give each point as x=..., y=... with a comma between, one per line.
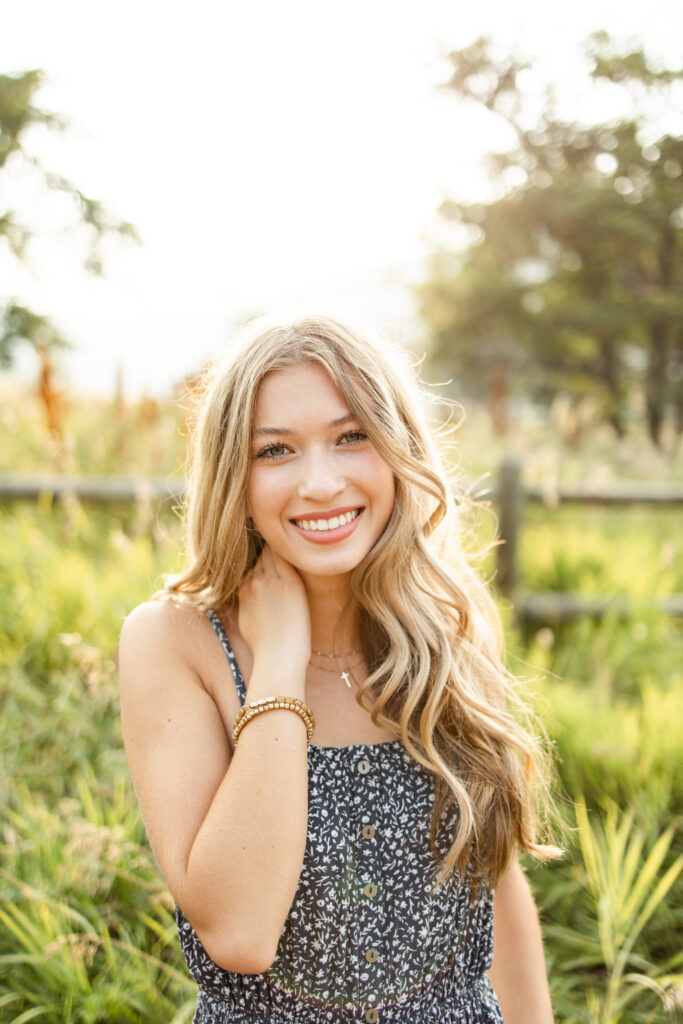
x=164, y=621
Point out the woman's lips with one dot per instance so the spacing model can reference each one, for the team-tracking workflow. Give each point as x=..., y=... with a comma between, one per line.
x=328, y=535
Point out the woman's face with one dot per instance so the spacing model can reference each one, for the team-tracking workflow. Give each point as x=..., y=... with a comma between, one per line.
x=318, y=491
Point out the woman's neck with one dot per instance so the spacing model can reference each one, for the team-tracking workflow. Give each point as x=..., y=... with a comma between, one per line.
x=334, y=614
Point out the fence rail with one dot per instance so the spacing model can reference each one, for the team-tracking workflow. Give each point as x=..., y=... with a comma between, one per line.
x=510, y=495
x=99, y=489
x=553, y=607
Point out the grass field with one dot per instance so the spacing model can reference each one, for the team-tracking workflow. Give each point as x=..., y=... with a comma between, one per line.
x=86, y=924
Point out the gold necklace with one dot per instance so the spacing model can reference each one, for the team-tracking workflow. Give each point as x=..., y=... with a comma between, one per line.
x=322, y=654
x=345, y=675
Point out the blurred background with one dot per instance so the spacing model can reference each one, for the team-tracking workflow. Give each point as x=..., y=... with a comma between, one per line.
x=499, y=188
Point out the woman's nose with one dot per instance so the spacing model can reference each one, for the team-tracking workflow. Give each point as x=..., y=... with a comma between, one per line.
x=320, y=477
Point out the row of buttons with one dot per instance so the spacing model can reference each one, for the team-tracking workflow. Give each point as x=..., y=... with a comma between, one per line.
x=370, y=890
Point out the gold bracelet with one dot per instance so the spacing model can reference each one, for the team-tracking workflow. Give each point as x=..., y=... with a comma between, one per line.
x=250, y=711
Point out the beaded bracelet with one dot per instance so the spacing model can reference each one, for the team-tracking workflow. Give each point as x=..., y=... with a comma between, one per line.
x=250, y=711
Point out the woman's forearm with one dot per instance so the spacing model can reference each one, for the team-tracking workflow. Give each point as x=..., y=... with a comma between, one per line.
x=244, y=864
x=518, y=973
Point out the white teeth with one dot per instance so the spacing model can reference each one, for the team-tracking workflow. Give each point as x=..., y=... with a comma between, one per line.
x=327, y=524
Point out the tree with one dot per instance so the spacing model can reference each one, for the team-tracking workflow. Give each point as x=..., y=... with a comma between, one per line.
x=19, y=115
x=573, y=279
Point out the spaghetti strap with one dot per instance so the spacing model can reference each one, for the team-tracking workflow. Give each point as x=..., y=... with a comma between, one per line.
x=222, y=636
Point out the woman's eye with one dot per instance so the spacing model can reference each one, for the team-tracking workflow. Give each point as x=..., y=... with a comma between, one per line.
x=353, y=437
x=272, y=451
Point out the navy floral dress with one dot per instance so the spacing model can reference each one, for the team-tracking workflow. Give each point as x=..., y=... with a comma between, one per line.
x=368, y=937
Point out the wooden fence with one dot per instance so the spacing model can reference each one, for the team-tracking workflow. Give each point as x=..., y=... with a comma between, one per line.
x=98, y=489
x=510, y=495
x=553, y=607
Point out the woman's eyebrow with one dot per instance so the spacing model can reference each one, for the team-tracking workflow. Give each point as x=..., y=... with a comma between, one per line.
x=348, y=417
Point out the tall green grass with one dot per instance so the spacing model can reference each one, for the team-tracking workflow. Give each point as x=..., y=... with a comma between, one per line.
x=566, y=549
x=86, y=924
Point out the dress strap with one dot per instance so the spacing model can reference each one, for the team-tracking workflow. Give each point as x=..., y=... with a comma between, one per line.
x=222, y=636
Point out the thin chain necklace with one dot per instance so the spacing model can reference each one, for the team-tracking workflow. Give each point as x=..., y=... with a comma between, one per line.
x=346, y=675
x=322, y=654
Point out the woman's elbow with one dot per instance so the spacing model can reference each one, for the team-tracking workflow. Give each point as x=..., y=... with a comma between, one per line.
x=240, y=953
x=238, y=939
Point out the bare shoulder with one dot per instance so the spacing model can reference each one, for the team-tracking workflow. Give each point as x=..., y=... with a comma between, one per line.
x=160, y=617
x=159, y=635
x=160, y=624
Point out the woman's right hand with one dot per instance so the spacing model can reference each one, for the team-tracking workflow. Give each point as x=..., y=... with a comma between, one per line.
x=274, y=619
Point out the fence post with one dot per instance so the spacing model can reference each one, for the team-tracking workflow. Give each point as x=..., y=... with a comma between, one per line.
x=510, y=512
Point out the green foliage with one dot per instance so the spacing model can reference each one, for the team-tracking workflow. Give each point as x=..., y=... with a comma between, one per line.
x=563, y=550
x=19, y=114
x=625, y=880
x=573, y=279
x=21, y=324
x=87, y=931
x=621, y=745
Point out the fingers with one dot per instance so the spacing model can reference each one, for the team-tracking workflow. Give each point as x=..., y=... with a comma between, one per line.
x=280, y=565
x=271, y=563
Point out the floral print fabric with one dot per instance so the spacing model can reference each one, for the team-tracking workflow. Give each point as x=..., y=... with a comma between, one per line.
x=369, y=937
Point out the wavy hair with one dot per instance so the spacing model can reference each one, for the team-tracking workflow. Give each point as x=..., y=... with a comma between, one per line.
x=430, y=632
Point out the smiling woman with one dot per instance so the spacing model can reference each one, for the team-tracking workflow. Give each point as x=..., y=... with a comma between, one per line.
x=350, y=878
x=319, y=480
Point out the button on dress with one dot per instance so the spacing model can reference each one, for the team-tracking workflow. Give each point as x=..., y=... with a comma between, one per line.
x=368, y=937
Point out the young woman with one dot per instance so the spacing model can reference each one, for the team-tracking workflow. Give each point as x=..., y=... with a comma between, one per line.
x=317, y=718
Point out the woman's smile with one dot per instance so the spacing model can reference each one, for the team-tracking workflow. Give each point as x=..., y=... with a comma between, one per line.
x=329, y=527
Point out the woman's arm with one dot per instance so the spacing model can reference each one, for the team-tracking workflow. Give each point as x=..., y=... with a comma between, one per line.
x=228, y=832
x=518, y=973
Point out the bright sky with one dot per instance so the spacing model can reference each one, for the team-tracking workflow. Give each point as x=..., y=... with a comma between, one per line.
x=268, y=151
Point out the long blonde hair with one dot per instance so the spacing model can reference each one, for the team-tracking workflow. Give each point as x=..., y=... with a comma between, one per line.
x=429, y=629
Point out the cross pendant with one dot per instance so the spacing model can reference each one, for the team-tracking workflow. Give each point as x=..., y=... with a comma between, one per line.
x=345, y=677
